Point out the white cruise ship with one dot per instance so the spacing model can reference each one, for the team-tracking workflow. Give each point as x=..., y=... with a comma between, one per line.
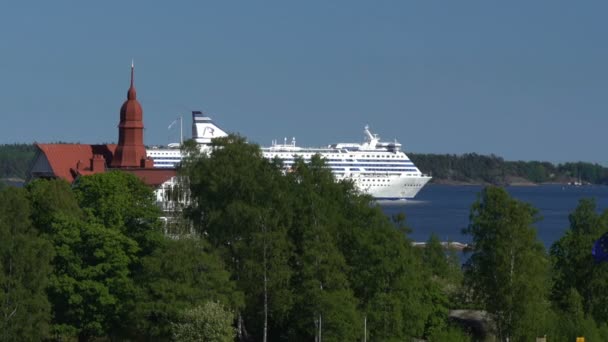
x=378, y=168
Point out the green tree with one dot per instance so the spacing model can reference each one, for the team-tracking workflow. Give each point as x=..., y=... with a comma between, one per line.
x=449, y=334
x=91, y=286
x=313, y=257
x=442, y=272
x=327, y=304
x=49, y=198
x=181, y=274
x=442, y=262
x=386, y=274
x=395, y=291
x=99, y=253
x=238, y=202
x=568, y=321
x=209, y=322
x=345, y=241
x=122, y=201
x=508, y=269
x=573, y=264
x=24, y=271
x=443, y=283
x=471, y=167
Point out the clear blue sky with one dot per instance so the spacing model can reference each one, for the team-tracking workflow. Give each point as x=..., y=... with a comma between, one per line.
x=520, y=79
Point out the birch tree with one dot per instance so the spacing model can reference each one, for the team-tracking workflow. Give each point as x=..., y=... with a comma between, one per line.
x=239, y=203
x=508, y=270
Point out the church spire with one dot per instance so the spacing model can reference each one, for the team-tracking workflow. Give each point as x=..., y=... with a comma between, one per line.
x=130, y=150
x=132, y=94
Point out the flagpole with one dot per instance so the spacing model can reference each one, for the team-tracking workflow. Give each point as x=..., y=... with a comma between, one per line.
x=181, y=130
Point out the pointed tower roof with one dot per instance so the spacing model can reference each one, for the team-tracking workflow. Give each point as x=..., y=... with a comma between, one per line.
x=131, y=108
x=130, y=150
x=132, y=94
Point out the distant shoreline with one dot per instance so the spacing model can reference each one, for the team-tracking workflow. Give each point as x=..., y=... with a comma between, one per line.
x=472, y=183
x=13, y=181
x=515, y=183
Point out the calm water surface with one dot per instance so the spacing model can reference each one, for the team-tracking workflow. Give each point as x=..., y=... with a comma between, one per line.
x=444, y=209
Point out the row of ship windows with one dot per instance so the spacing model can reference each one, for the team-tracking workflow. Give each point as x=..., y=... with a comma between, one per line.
x=368, y=164
x=165, y=155
x=387, y=169
x=332, y=157
x=378, y=184
x=156, y=162
x=384, y=181
x=372, y=169
x=363, y=160
x=387, y=174
x=289, y=162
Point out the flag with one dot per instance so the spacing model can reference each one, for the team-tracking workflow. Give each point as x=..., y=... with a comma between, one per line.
x=600, y=249
x=173, y=123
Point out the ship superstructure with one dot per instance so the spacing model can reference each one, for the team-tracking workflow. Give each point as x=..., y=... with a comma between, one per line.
x=203, y=130
x=378, y=168
x=165, y=156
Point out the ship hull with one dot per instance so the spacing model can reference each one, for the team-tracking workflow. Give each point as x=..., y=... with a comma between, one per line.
x=393, y=189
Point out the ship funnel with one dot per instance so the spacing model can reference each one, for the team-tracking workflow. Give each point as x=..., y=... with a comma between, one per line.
x=203, y=128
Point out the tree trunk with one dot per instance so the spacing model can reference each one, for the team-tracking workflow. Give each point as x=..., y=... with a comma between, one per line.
x=265, y=338
x=320, y=329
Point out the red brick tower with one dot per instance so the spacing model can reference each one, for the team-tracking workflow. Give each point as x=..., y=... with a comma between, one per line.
x=130, y=151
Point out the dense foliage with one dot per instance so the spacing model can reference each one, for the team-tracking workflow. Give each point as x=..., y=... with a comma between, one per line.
x=472, y=167
x=207, y=322
x=260, y=254
x=508, y=269
x=311, y=256
x=24, y=271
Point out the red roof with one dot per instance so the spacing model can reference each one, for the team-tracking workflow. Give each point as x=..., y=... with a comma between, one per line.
x=63, y=158
x=153, y=177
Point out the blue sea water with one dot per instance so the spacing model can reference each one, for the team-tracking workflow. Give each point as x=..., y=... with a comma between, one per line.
x=444, y=209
